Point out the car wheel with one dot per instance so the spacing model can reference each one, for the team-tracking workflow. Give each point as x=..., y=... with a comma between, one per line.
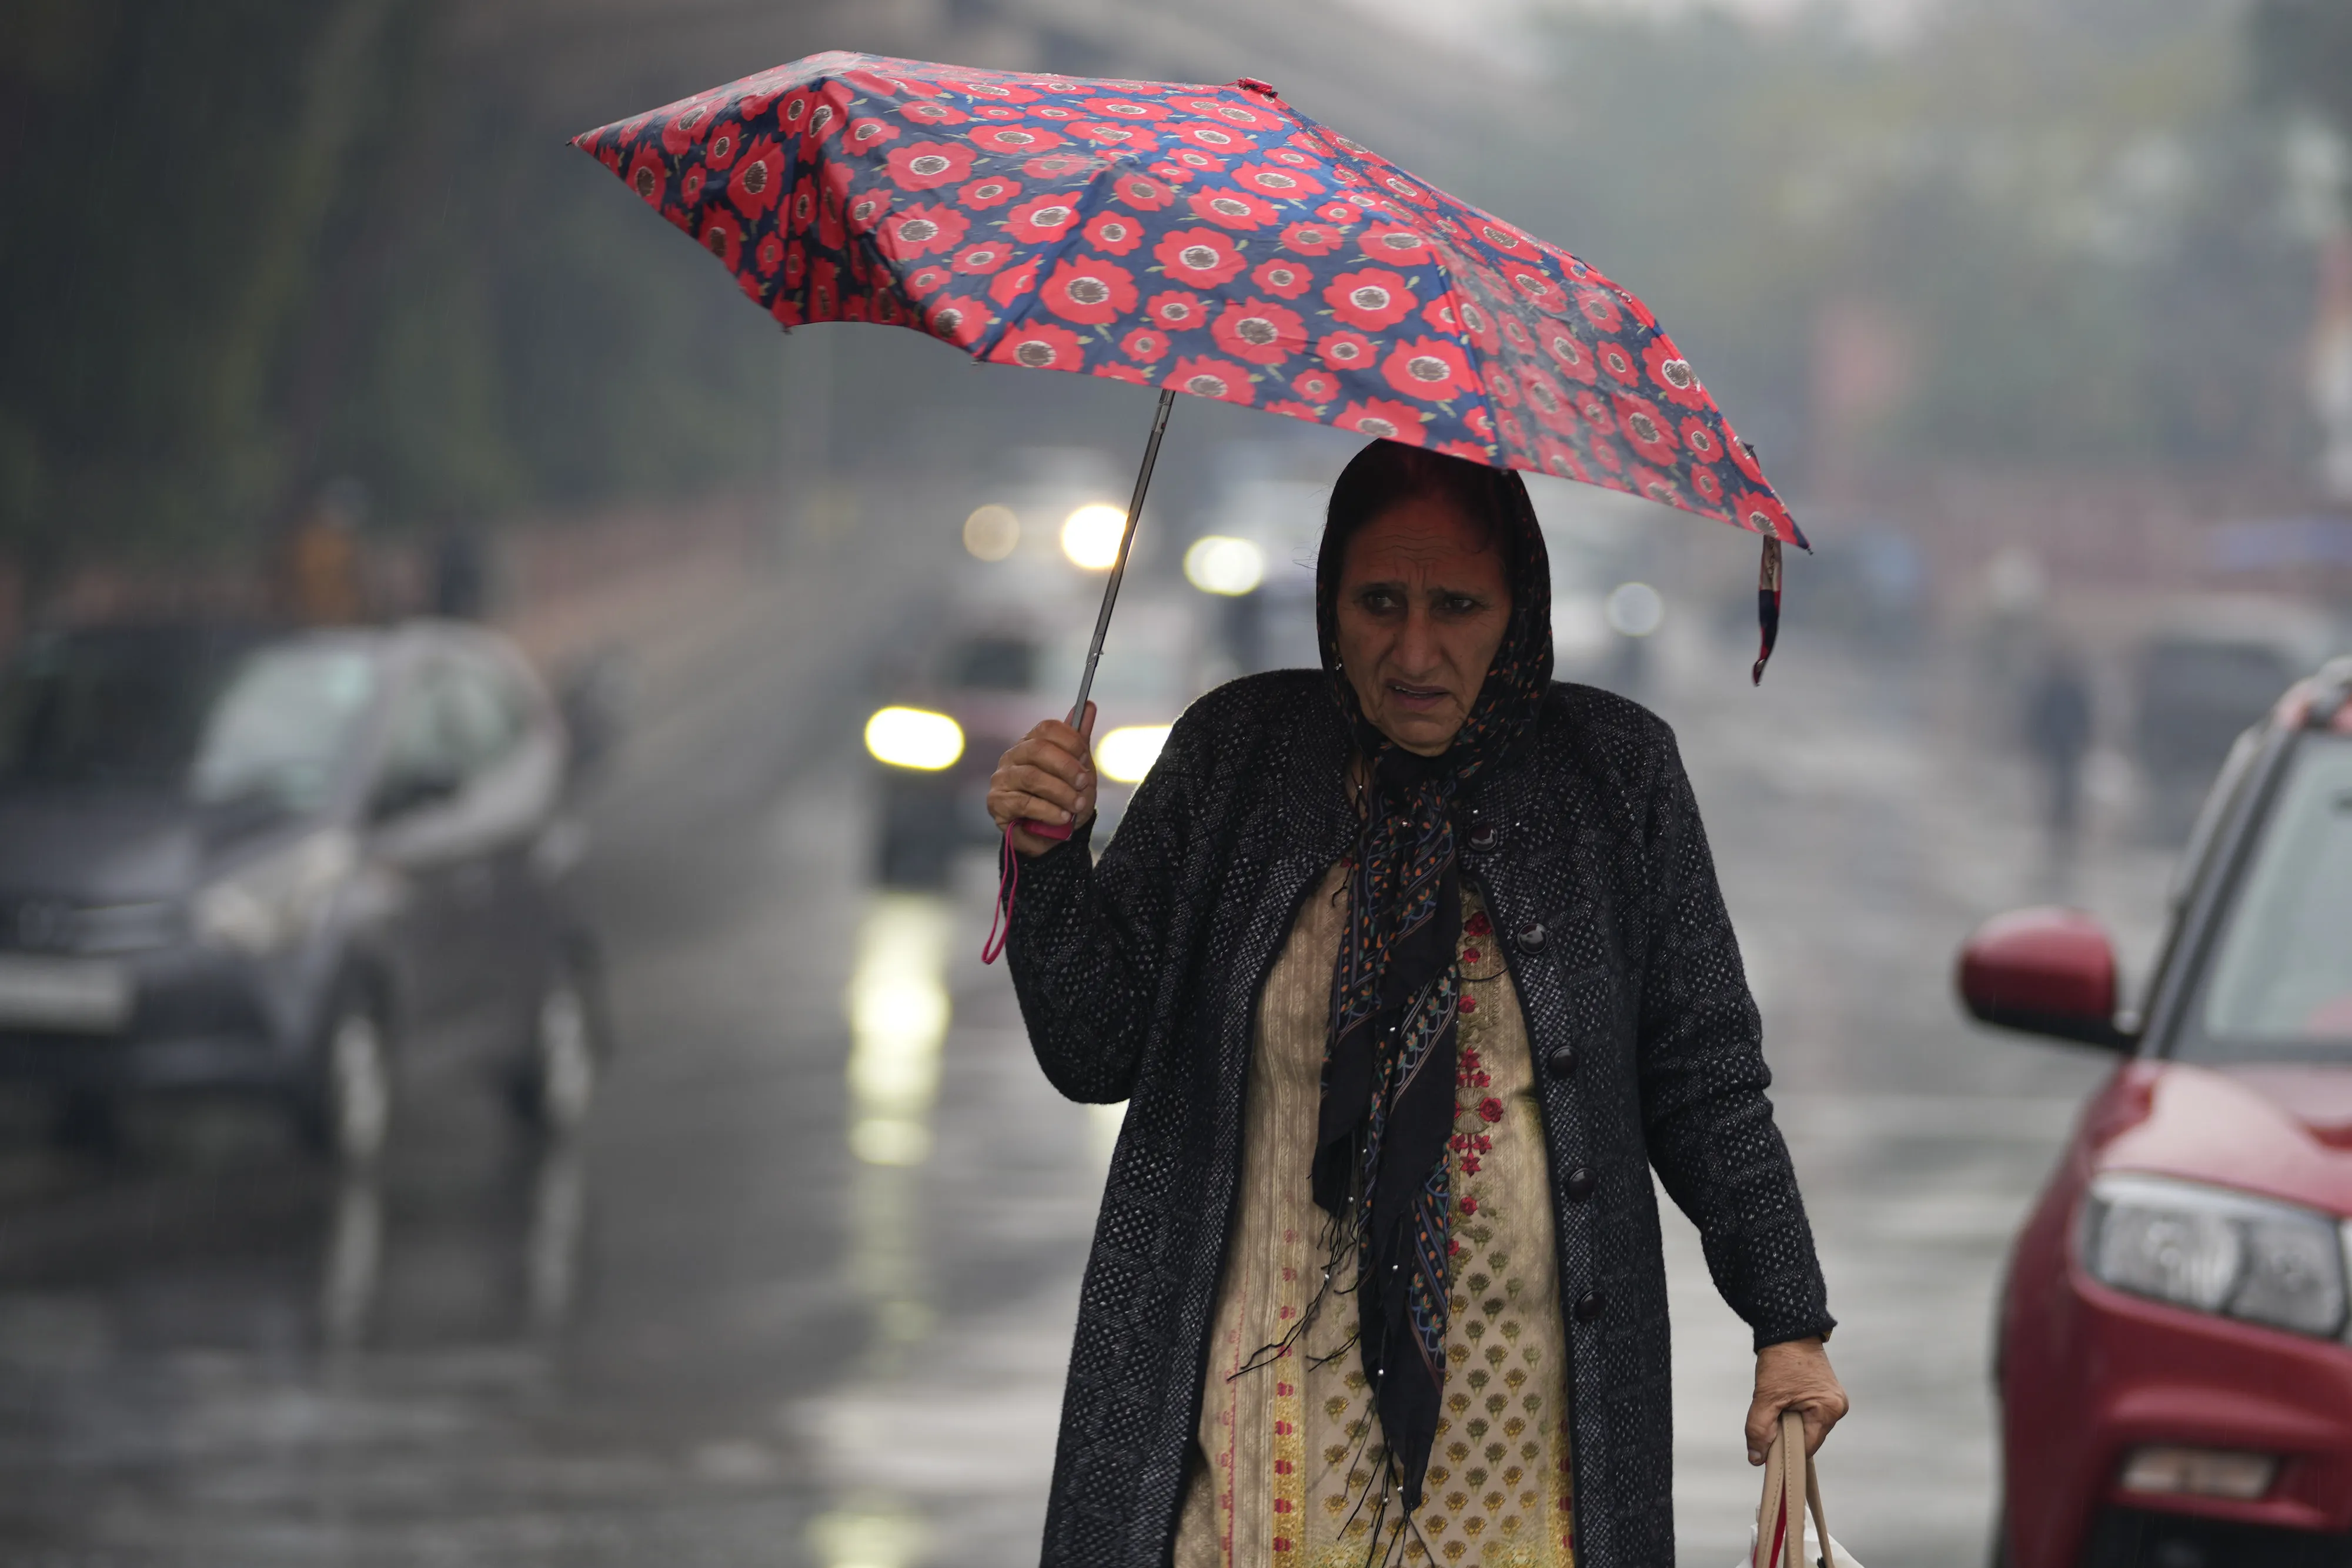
x=557, y=1085
x=347, y=1112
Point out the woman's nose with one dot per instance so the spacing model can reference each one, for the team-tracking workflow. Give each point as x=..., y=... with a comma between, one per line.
x=1417, y=647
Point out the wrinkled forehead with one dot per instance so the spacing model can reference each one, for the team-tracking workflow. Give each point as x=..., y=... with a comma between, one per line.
x=1426, y=538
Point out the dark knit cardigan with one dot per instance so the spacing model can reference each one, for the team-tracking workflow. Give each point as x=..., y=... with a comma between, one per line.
x=1139, y=979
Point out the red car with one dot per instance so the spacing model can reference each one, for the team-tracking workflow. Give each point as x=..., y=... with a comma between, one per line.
x=2174, y=1352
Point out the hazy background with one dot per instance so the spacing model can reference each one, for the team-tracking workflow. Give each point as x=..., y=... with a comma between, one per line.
x=2040, y=313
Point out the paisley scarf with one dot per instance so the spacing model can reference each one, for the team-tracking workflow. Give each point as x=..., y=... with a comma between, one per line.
x=1387, y=1112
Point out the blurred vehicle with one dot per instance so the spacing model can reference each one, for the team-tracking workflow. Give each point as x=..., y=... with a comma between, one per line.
x=2211, y=667
x=312, y=865
x=936, y=737
x=2175, y=1355
x=936, y=740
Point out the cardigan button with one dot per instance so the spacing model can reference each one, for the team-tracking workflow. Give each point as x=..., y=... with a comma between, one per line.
x=1562, y=1061
x=1482, y=837
x=1580, y=1183
x=1531, y=936
x=1590, y=1306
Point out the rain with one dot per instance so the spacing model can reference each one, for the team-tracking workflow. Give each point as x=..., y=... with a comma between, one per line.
x=497, y=1063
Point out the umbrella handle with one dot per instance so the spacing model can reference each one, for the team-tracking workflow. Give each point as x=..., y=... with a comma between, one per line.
x=1009, y=874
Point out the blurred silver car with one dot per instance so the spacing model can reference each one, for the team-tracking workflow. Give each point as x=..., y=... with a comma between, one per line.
x=310, y=865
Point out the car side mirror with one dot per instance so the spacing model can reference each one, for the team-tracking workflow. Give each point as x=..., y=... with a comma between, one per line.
x=402, y=793
x=2045, y=971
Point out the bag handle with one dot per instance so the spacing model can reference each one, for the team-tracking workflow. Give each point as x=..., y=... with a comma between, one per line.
x=1790, y=1486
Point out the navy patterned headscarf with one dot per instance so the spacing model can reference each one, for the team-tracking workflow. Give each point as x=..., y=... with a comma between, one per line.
x=1389, y=1067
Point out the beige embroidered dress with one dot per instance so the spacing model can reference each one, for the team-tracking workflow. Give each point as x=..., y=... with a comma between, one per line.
x=1288, y=1467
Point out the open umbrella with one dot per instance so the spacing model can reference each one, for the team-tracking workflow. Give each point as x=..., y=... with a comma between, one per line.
x=1206, y=240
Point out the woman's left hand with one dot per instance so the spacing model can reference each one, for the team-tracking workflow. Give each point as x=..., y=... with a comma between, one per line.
x=1794, y=1375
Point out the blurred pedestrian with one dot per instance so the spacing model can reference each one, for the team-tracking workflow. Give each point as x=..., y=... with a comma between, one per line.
x=1410, y=969
x=2058, y=734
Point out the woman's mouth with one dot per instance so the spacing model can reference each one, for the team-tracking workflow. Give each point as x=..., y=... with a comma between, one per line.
x=1416, y=698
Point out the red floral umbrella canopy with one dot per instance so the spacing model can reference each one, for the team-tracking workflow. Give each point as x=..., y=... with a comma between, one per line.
x=1211, y=240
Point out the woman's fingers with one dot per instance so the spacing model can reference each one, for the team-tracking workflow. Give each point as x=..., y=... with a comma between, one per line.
x=1042, y=782
x=1794, y=1376
x=1046, y=777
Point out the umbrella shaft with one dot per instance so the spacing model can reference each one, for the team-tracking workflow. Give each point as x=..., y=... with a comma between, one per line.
x=1119, y=566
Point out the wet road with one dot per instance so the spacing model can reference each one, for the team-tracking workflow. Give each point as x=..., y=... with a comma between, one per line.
x=803, y=1294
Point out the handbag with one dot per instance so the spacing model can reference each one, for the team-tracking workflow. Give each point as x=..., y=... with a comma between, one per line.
x=1791, y=1489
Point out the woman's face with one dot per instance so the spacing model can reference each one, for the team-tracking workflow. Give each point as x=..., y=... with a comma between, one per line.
x=1424, y=604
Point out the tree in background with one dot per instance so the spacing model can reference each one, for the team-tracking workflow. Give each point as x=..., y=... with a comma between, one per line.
x=2050, y=228
x=257, y=244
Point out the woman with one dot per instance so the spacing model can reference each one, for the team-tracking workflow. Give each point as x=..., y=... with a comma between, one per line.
x=1410, y=970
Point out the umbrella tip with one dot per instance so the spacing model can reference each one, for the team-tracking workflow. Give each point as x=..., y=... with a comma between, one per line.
x=1251, y=84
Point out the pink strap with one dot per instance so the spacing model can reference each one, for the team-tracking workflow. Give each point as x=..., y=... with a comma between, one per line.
x=1008, y=884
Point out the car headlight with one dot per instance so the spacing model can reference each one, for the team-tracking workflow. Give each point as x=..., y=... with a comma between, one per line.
x=914, y=738
x=1126, y=753
x=268, y=904
x=2217, y=1251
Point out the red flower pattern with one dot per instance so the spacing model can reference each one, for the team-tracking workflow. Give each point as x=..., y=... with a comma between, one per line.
x=1203, y=258
x=1040, y=347
x=1089, y=290
x=1310, y=239
x=923, y=231
x=1042, y=219
x=1176, y=310
x=1428, y=368
x=1383, y=419
x=1283, y=279
x=1317, y=386
x=1227, y=239
x=1232, y=209
x=1212, y=378
x=1393, y=245
x=758, y=183
x=1114, y=232
x=989, y=191
x=1262, y=333
x=1371, y=300
x=927, y=165
x=1277, y=184
x=648, y=173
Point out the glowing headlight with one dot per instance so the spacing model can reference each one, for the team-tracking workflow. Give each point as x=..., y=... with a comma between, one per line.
x=1090, y=536
x=271, y=904
x=2216, y=1251
x=913, y=737
x=1219, y=565
x=1126, y=753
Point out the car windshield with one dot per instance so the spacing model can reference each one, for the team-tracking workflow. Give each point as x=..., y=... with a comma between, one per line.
x=2280, y=984
x=239, y=725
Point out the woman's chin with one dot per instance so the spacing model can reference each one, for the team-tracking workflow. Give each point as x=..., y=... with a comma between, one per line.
x=1427, y=735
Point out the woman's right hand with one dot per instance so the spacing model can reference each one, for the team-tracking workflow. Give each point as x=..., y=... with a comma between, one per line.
x=1048, y=777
